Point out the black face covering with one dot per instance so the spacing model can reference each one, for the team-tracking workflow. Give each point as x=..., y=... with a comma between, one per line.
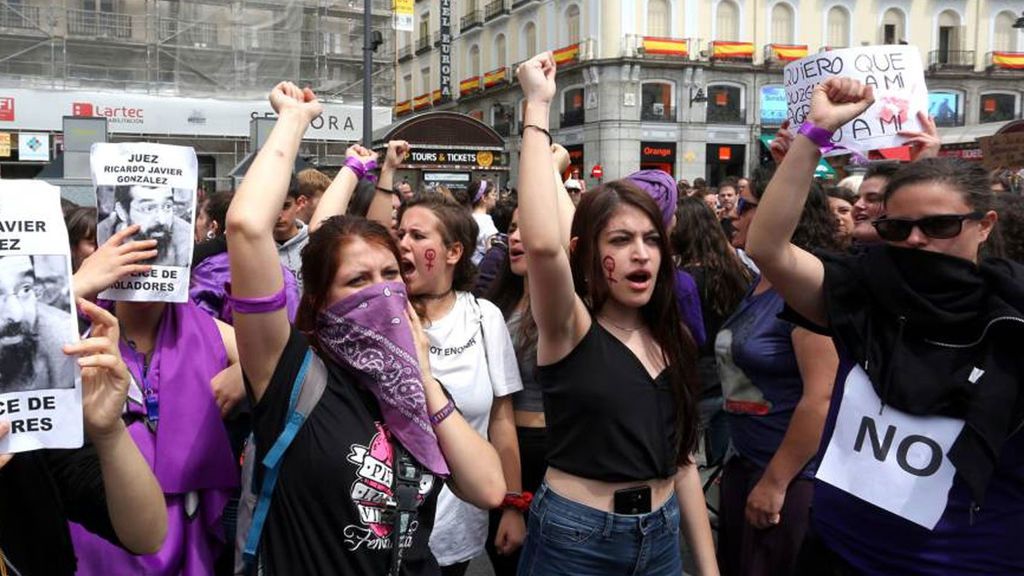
x=928, y=322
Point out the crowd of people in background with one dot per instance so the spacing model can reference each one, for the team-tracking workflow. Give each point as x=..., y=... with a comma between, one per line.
x=417, y=378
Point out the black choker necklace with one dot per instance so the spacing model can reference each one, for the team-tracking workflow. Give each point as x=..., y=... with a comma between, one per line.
x=440, y=296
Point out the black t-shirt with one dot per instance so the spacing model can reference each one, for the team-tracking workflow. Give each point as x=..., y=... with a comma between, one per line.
x=39, y=492
x=325, y=514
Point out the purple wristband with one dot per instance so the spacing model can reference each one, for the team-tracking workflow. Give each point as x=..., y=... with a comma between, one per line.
x=359, y=167
x=443, y=413
x=258, y=305
x=820, y=136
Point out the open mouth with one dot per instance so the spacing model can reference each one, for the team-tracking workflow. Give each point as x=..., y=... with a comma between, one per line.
x=638, y=279
x=408, y=267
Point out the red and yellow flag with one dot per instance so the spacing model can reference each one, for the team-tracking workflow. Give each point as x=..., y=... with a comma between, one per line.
x=789, y=52
x=567, y=55
x=665, y=46
x=420, y=102
x=1008, y=60
x=469, y=85
x=495, y=77
x=732, y=50
x=435, y=96
x=403, y=108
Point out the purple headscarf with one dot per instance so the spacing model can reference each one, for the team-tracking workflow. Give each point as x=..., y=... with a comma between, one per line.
x=369, y=333
x=660, y=186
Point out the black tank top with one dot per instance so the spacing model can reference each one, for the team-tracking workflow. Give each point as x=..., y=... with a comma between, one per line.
x=607, y=419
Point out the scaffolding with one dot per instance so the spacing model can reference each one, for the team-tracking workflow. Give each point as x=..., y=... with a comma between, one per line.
x=213, y=48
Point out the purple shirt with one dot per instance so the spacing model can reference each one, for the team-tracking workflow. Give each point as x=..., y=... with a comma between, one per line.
x=689, y=306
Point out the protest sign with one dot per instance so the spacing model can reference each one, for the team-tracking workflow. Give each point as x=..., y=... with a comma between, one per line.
x=895, y=72
x=154, y=186
x=40, y=386
x=1002, y=150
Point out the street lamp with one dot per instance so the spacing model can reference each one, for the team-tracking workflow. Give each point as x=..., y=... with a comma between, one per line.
x=697, y=95
x=1020, y=21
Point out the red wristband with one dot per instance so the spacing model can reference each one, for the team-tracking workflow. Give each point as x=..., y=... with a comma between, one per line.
x=517, y=501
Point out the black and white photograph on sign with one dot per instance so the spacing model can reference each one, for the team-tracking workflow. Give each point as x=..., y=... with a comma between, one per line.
x=40, y=386
x=152, y=187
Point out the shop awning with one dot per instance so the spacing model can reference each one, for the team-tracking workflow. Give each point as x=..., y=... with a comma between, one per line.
x=823, y=170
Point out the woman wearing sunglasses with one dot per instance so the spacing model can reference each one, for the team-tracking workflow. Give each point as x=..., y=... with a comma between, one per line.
x=923, y=454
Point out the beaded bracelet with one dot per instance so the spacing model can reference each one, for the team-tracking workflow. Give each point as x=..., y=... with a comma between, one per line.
x=538, y=128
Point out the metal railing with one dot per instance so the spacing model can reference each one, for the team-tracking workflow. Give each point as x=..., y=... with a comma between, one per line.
x=184, y=33
x=405, y=52
x=951, y=58
x=99, y=24
x=470, y=20
x=495, y=9
x=20, y=18
x=520, y=3
x=422, y=44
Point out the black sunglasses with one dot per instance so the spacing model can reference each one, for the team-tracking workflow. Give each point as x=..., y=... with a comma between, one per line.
x=938, y=227
x=743, y=205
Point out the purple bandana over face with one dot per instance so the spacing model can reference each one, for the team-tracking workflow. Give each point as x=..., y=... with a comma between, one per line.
x=369, y=333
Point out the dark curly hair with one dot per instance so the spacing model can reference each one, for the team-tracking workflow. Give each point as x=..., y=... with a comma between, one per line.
x=817, y=227
x=457, y=227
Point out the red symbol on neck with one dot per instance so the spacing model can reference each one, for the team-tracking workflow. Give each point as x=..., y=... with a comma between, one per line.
x=430, y=254
x=608, y=263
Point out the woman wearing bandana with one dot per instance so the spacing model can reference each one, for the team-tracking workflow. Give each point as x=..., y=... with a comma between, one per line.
x=923, y=451
x=331, y=512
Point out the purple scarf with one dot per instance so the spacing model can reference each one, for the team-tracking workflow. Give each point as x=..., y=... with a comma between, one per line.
x=369, y=333
x=660, y=186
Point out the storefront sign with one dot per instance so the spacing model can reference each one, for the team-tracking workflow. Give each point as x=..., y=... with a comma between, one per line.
x=658, y=152
x=773, y=105
x=446, y=49
x=34, y=147
x=469, y=159
x=159, y=115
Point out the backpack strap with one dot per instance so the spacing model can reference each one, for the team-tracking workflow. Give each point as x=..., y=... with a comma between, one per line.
x=404, y=506
x=307, y=390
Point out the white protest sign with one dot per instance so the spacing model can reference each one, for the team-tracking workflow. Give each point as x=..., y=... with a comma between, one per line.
x=889, y=458
x=154, y=186
x=40, y=386
x=895, y=72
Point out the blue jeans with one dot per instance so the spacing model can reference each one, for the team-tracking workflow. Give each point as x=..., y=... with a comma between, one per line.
x=567, y=538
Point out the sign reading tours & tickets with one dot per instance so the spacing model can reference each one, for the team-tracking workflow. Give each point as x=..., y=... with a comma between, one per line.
x=40, y=386
x=152, y=186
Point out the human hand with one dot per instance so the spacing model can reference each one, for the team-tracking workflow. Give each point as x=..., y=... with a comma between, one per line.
x=419, y=336
x=5, y=428
x=537, y=78
x=837, y=101
x=228, y=388
x=511, y=532
x=287, y=96
x=114, y=260
x=561, y=157
x=764, y=505
x=780, y=145
x=360, y=153
x=923, y=144
x=105, y=377
x=397, y=151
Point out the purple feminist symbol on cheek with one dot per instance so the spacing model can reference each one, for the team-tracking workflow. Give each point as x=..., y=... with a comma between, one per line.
x=608, y=263
x=430, y=255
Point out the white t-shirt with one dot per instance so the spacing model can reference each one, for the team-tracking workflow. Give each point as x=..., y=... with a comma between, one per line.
x=474, y=378
x=483, y=238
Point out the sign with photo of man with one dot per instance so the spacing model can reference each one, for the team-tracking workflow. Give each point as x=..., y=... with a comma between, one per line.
x=40, y=387
x=152, y=186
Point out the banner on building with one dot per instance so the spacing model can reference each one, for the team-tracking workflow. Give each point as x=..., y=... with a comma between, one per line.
x=152, y=186
x=40, y=386
x=446, y=49
x=403, y=15
x=895, y=72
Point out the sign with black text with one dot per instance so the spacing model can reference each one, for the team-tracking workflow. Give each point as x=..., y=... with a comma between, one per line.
x=446, y=50
x=472, y=159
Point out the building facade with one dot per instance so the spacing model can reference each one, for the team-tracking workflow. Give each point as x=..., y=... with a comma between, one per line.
x=691, y=86
x=185, y=71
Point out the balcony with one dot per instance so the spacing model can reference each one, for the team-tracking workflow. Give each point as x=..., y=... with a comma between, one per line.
x=95, y=24
x=782, y=54
x=963, y=59
x=731, y=52
x=422, y=44
x=195, y=34
x=572, y=117
x=20, y=18
x=405, y=53
x=471, y=20
x=521, y=3
x=662, y=48
x=495, y=9
x=658, y=112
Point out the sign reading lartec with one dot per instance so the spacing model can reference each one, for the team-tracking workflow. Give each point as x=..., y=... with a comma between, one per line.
x=466, y=158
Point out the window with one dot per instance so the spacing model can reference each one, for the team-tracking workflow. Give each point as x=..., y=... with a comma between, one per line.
x=425, y=81
x=407, y=87
x=773, y=105
x=997, y=107
x=500, y=57
x=949, y=37
x=501, y=119
x=657, y=101
x=572, y=18
x=474, y=61
x=838, y=27
x=469, y=6
x=782, y=24
x=657, y=18
x=528, y=46
x=893, y=27
x=946, y=108
x=424, y=30
x=572, y=106
x=1004, y=35
x=727, y=21
x=725, y=104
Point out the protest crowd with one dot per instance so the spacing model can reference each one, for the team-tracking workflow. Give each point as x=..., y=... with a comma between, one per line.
x=368, y=379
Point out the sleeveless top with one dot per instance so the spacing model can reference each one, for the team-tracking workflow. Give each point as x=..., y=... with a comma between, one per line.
x=607, y=419
x=530, y=398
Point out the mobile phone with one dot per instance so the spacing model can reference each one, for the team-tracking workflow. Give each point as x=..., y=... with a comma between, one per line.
x=636, y=500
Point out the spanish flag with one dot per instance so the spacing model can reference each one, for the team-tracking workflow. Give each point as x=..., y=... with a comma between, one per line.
x=495, y=77
x=665, y=46
x=403, y=108
x=789, y=52
x=435, y=96
x=420, y=102
x=567, y=55
x=1008, y=60
x=469, y=85
x=732, y=50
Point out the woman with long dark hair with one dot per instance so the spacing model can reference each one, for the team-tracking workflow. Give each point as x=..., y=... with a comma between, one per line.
x=923, y=450
x=617, y=371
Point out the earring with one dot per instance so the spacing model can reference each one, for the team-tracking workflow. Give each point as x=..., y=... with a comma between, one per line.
x=210, y=235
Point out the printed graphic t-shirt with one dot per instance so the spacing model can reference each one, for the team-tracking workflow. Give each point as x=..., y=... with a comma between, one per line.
x=325, y=516
x=471, y=355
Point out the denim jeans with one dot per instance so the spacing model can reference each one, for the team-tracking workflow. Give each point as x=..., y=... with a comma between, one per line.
x=564, y=537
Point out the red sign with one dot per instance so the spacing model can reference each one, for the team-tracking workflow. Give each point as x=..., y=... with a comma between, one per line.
x=117, y=113
x=597, y=172
x=81, y=109
x=725, y=153
x=6, y=109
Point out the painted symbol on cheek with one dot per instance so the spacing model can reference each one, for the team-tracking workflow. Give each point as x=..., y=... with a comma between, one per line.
x=608, y=263
x=430, y=254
